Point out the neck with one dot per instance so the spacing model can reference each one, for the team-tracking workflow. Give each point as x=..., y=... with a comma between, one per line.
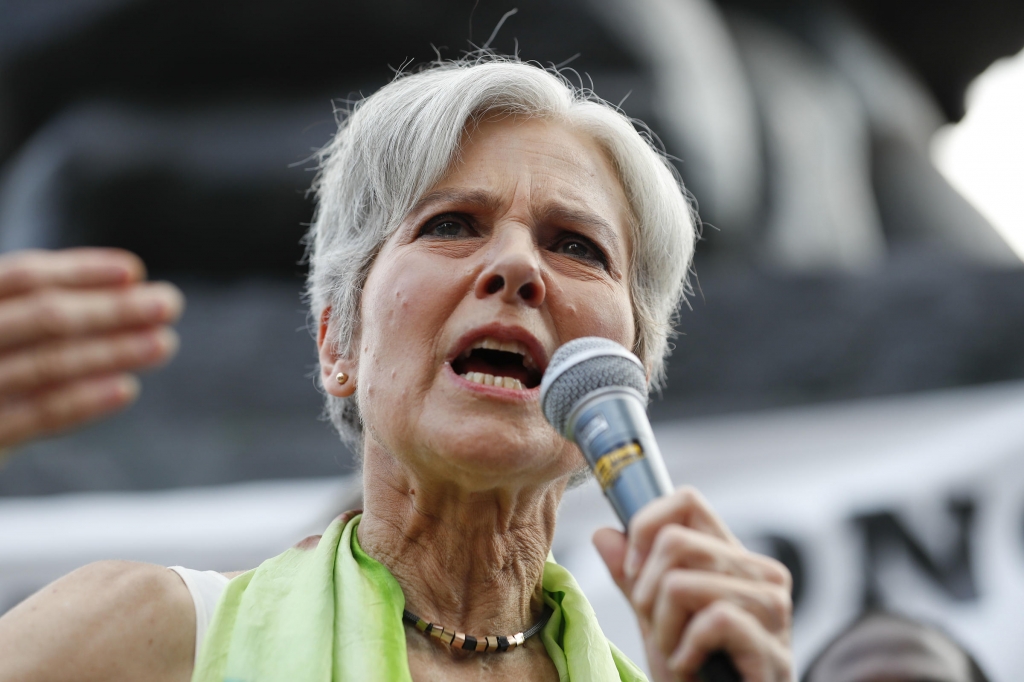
x=468, y=560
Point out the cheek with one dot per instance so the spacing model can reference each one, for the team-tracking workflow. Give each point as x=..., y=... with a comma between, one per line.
x=603, y=311
x=405, y=305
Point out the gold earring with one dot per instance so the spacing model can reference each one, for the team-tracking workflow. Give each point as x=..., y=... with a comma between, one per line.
x=342, y=378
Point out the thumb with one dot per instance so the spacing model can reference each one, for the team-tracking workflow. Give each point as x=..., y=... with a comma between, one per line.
x=611, y=545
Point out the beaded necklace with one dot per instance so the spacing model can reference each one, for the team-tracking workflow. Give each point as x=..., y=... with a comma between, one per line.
x=461, y=640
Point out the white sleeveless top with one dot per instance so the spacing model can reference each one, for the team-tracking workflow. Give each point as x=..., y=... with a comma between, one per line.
x=206, y=587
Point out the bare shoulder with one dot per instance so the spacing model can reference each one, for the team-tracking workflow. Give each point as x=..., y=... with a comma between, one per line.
x=111, y=620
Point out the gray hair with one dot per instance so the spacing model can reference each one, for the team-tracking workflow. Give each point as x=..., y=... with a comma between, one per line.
x=392, y=147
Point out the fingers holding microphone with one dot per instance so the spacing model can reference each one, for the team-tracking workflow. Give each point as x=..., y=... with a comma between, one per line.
x=696, y=590
x=694, y=587
x=74, y=326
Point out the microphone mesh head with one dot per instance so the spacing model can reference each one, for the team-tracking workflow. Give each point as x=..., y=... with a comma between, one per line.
x=584, y=365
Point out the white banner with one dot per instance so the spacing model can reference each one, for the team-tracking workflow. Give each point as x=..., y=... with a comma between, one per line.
x=915, y=502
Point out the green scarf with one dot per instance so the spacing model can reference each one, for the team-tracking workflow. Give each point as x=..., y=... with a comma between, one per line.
x=330, y=613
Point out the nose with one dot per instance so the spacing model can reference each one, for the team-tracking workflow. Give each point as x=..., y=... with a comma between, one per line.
x=513, y=270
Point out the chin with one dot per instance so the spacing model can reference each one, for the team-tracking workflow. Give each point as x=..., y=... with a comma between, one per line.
x=496, y=448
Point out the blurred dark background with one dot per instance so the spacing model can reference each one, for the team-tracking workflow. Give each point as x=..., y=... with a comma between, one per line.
x=836, y=262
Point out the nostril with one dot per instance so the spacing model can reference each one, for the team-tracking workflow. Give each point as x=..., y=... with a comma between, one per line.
x=495, y=284
x=528, y=291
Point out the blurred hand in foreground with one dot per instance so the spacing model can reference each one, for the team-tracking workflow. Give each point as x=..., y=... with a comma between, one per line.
x=74, y=326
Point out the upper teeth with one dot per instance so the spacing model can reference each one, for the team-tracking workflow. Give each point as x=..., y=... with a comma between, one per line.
x=507, y=346
x=491, y=380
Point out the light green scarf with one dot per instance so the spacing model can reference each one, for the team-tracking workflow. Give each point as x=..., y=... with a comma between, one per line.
x=331, y=614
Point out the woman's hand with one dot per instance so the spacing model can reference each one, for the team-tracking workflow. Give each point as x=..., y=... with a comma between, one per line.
x=696, y=589
x=73, y=325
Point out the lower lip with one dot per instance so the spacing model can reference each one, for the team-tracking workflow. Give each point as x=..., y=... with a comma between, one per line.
x=502, y=393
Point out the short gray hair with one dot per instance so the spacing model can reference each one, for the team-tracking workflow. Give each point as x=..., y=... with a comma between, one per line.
x=392, y=147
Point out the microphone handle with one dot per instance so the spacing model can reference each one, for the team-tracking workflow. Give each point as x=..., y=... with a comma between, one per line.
x=718, y=667
x=611, y=428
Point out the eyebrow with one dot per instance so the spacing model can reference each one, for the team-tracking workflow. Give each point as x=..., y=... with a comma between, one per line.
x=473, y=197
x=564, y=214
x=554, y=213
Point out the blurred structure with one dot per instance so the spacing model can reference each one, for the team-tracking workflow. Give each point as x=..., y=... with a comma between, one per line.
x=837, y=263
x=982, y=155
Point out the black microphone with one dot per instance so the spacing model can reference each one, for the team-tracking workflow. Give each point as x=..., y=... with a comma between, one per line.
x=594, y=392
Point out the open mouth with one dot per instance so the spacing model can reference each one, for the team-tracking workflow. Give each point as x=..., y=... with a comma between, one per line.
x=505, y=364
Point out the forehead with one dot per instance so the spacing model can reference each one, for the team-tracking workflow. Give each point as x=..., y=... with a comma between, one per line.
x=547, y=163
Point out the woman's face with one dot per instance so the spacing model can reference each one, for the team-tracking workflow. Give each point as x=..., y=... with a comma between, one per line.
x=521, y=248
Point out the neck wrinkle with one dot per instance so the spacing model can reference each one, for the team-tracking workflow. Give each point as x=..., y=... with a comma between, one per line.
x=472, y=562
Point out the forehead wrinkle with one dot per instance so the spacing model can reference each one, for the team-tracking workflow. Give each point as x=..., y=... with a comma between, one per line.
x=453, y=195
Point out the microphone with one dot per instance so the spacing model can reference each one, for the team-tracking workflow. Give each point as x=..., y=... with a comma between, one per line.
x=594, y=392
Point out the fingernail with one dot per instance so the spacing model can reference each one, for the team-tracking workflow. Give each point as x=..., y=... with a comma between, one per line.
x=632, y=563
x=123, y=388
x=131, y=386
x=118, y=274
x=174, y=301
x=170, y=341
x=160, y=300
x=155, y=346
x=157, y=308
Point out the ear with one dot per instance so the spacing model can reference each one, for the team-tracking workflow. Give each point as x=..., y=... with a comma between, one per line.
x=331, y=364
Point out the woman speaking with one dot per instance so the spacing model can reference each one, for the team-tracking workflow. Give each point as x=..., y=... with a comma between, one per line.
x=471, y=218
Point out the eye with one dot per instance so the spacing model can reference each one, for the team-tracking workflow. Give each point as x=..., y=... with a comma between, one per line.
x=581, y=249
x=447, y=226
